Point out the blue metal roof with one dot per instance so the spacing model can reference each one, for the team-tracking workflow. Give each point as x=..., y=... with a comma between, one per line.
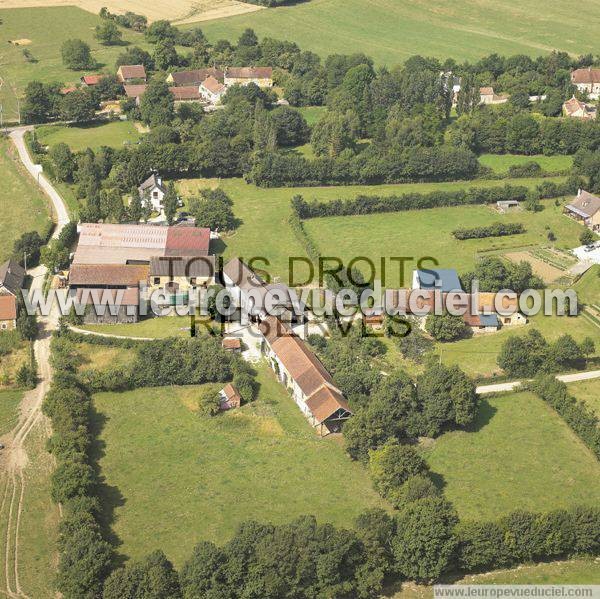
x=488, y=320
x=442, y=279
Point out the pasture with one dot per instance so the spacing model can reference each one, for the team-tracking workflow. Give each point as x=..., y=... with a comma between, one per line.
x=115, y=134
x=390, y=32
x=48, y=28
x=422, y=233
x=268, y=210
x=500, y=163
x=9, y=409
x=22, y=205
x=171, y=478
x=518, y=447
x=589, y=393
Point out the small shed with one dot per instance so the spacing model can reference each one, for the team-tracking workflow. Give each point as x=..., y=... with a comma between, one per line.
x=506, y=205
x=233, y=344
x=230, y=397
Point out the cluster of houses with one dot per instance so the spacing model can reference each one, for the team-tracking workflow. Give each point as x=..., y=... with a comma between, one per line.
x=12, y=275
x=206, y=86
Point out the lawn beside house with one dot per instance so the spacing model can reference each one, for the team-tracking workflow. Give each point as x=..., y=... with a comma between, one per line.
x=167, y=326
x=113, y=134
x=22, y=205
x=518, y=454
x=174, y=478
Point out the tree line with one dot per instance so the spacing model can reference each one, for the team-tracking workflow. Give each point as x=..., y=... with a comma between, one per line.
x=498, y=229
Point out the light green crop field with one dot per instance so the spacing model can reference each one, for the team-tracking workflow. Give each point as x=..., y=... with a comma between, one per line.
x=392, y=31
x=47, y=29
x=95, y=135
x=421, y=233
x=500, y=163
x=200, y=477
x=588, y=287
x=519, y=454
x=22, y=205
x=268, y=209
x=588, y=392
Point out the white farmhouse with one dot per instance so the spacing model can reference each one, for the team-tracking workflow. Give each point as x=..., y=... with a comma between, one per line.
x=154, y=189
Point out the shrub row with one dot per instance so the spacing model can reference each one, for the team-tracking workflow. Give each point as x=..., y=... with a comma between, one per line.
x=85, y=557
x=302, y=236
x=364, y=204
x=494, y=230
x=523, y=537
x=575, y=413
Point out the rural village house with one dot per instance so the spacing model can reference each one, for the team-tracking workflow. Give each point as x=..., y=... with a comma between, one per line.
x=487, y=96
x=131, y=73
x=194, y=77
x=256, y=299
x=585, y=208
x=8, y=312
x=212, y=90
x=302, y=374
x=261, y=76
x=577, y=109
x=154, y=189
x=230, y=398
x=12, y=275
x=587, y=81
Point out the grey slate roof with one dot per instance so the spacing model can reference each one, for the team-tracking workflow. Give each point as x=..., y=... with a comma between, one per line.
x=12, y=275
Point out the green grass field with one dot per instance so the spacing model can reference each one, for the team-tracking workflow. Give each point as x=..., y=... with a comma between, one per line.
x=268, y=209
x=22, y=204
x=500, y=163
x=421, y=233
x=478, y=355
x=48, y=28
x=313, y=114
x=199, y=478
x=95, y=135
x=9, y=409
x=168, y=326
x=392, y=31
x=520, y=454
x=589, y=392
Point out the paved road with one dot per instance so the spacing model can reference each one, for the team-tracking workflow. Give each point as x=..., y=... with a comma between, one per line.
x=565, y=378
x=35, y=170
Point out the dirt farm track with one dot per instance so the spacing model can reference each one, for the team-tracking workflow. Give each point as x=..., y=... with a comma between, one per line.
x=177, y=11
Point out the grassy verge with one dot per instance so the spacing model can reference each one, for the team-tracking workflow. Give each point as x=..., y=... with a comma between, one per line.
x=200, y=478
x=588, y=392
x=22, y=205
x=519, y=448
x=167, y=326
x=9, y=409
x=38, y=557
x=79, y=137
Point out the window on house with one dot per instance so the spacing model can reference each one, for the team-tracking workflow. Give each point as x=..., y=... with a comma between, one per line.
x=157, y=280
x=3, y=326
x=193, y=281
x=155, y=194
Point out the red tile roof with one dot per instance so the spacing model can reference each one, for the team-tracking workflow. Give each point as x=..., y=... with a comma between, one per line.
x=132, y=71
x=135, y=91
x=188, y=92
x=249, y=72
x=92, y=79
x=187, y=241
x=196, y=77
x=213, y=86
x=231, y=343
x=8, y=307
x=115, y=275
x=588, y=75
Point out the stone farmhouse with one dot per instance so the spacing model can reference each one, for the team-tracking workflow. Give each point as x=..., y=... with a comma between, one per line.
x=585, y=208
x=212, y=90
x=125, y=264
x=587, y=81
x=255, y=299
x=577, y=109
x=304, y=376
x=133, y=73
x=194, y=77
x=12, y=275
x=487, y=96
x=261, y=76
